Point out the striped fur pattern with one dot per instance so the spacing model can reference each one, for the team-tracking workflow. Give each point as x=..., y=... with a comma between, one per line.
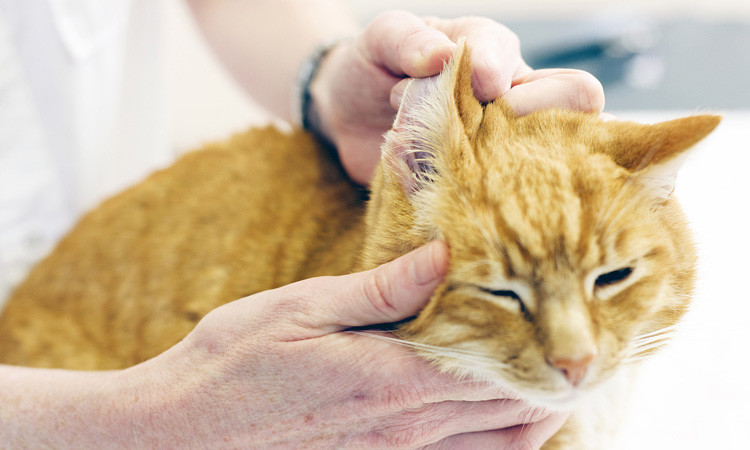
x=566, y=245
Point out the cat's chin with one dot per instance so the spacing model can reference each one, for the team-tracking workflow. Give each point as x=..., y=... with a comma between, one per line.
x=562, y=401
x=563, y=397
x=568, y=398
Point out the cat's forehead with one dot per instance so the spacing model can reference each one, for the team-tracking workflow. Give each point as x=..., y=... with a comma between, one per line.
x=540, y=210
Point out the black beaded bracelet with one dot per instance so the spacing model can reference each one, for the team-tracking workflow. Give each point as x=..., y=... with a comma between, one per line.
x=302, y=98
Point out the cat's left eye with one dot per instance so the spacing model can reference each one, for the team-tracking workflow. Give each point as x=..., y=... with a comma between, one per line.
x=506, y=293
x=613, y=277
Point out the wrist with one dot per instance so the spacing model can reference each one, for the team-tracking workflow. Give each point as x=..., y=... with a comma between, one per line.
x=64, y=409
x=312, y=96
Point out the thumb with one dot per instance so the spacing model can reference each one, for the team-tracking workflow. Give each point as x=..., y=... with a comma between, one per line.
x=389, y=293
x=404, y=44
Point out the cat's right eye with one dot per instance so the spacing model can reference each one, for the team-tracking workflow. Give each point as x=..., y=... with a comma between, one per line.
x=507, y=294
x=504, y=293
x=613, y=277
x=610, y=283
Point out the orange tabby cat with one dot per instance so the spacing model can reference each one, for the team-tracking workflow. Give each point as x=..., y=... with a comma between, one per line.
x=568, y=255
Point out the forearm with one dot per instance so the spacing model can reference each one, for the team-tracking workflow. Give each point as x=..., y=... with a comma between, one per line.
x=264, y=42
x=63, y=409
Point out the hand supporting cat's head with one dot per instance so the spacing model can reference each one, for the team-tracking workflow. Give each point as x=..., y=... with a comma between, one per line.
x=569, y=257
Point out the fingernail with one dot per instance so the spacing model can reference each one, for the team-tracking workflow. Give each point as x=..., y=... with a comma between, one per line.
x=433, y=54
x=428, y=263
x=431, y=45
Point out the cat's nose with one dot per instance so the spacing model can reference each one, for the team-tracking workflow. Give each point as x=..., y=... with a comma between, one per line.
x=574, y=369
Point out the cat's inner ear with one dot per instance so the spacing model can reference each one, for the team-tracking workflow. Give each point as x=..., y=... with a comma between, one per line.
x=655, y=153
x=434, y=111
x=409, y=150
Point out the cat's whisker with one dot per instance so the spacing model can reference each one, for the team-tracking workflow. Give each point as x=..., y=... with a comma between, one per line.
x=641, y=355
x=469, y=356
x=652, y=338
x=646, y=344
x=660, y=332
x=656, y=343
x=655, y=338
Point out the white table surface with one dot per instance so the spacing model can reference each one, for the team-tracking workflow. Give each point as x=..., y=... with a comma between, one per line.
x=696, y=393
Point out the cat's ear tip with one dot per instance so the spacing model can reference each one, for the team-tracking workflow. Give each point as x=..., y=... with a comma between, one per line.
x=701, y=125
x=705, y=122
x=714, y=119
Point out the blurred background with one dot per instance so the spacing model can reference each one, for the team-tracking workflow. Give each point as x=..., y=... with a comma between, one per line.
x=649, y=54
x=658, y=60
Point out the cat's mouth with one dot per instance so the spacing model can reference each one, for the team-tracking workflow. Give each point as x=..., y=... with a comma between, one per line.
x=550, y=391
x=565, y=400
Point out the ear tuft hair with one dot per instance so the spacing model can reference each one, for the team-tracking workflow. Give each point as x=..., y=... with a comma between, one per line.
x=426, y=121
x=655, y=153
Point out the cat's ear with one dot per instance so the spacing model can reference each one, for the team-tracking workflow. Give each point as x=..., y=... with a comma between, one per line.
x=467, y=107
x=434, y=113
x=655, y=153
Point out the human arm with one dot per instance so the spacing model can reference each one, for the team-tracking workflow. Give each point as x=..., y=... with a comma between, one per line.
x=278, y=368
x=263, y=43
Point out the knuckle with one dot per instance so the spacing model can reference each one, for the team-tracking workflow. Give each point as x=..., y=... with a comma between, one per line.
x=377, y=290
x=291, y=305
x=414, y=37
x=489, y=26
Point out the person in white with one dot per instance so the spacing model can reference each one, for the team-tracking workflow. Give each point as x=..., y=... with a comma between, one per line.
x=82, y=114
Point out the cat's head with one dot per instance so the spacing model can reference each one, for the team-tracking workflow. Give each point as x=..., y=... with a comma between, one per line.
x=569, y=257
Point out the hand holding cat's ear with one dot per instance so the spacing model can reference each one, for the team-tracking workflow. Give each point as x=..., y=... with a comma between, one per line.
x=358, y=85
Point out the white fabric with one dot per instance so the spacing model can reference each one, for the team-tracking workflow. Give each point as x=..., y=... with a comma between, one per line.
x=82, y=114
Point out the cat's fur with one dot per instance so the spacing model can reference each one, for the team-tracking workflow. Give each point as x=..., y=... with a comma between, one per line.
x=535, y=209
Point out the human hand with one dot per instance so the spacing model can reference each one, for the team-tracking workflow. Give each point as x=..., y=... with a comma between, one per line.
x=359, y=84
x=279, y=369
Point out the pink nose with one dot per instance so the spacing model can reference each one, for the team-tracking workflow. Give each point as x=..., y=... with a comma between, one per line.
x=573, y=369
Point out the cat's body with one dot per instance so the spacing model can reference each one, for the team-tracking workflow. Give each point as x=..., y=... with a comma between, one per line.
x=569, y=259
x=139, y=271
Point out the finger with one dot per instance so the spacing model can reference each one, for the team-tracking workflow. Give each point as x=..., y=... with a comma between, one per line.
x=556, y=88
x=403, y=44
x=608, y=117
x=495, y=53
x=388, y=293
x=528, y=436
x=433, y=423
